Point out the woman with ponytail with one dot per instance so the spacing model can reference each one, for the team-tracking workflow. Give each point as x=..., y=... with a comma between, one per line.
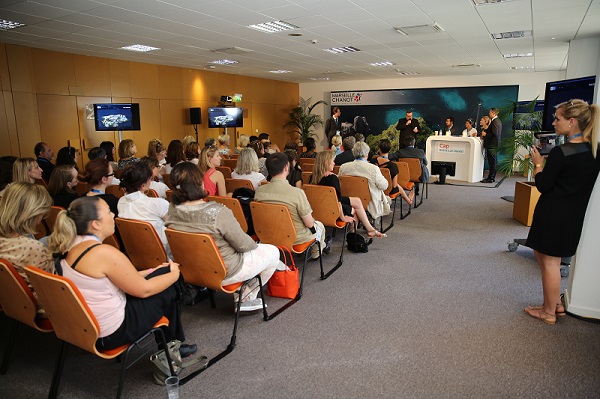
x=565, y=179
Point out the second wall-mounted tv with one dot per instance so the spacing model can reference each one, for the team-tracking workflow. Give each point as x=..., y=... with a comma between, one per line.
x=225, y=117
x=110, y=117
x=565, y=90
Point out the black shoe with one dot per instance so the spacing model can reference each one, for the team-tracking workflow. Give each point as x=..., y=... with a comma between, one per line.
x=327, y=248
x=186, y=350
x=487, y=181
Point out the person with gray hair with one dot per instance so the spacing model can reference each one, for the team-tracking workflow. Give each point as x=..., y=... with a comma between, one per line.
x=379, y=205
x=346, y=155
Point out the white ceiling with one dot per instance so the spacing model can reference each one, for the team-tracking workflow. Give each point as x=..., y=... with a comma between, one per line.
x=188, y=32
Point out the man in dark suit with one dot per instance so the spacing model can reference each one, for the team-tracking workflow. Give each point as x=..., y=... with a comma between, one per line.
x=450, y=127
x=491, y=142
x=347, y=155
x=411, y=152
x=407, y=127
x=333, y=125
x=44, y=155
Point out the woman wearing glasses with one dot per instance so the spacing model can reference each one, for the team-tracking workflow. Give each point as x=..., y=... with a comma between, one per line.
x=98, y=173
x=565, y=179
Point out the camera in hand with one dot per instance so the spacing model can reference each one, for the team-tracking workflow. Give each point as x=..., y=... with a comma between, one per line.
x=545, y=141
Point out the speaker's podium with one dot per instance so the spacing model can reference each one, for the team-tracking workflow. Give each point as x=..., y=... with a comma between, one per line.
x=465, y=154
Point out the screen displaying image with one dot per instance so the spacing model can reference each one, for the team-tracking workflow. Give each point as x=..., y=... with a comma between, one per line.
x=225, y=117
x=117, y=117
x=565, y=90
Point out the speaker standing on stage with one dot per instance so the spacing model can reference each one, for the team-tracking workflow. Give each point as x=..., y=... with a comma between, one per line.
x=407, y=127
x=491, y=142
x=333, y=126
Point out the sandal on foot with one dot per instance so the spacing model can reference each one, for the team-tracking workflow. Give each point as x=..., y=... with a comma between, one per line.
x=560, y=309
x=376, y=234
x=541, y=315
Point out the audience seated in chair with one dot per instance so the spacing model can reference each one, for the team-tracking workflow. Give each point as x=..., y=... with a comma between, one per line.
x=295, y=175
x=22, y=207
x=311, y=147
x=126, y=302
x=160, y=187
x=175, y=155
x=383, y=161
x=61, y=187
x=98, y=173
x=214, y=181
x=127, y=152
x=379, y=205
x=279, y=191
x=411, y=152
x=346, y=155
x=323, y=175
x=137, y=205
x=247, y=168
x=243, y=258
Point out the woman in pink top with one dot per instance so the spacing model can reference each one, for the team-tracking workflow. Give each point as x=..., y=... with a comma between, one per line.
x=214, y=181
x=126, y=302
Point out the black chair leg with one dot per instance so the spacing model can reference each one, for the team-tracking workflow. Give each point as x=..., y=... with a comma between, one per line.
x=341, y=260
x=9, y=347
x=53, y=393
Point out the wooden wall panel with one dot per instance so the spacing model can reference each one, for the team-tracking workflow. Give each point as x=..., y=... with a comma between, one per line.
x=27, y=123
x=4, y=74
x=217, y=85
x=53, y=72
x=58, y=121
x=264, y=91
x=92, y=75
x=5, y=138
x=280, y=134
x=150, y=124
x=287, y=93
x=243, y=85
x=87, y=128
x=174, y=118
x=144, y=80
x=193, y=83
x=20, y=68
x=170, y=83
x=120, y=83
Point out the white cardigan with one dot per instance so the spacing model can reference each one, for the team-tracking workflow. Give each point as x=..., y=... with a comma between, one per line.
x=379, y=205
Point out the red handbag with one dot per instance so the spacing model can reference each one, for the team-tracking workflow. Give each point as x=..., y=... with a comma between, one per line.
x=284, y=283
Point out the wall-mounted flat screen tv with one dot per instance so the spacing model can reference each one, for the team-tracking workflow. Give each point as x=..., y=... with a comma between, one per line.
x=225, y=117
x=117, y=117
x=565, y=90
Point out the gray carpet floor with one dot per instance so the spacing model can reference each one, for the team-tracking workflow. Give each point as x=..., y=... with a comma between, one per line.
x=433, y=311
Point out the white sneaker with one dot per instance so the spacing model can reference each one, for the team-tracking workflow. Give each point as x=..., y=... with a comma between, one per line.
x=251, y=304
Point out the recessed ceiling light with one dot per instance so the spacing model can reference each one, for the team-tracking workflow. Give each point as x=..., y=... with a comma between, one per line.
x=382, y=63
x=6, y=25
x=295, y=34
x=339, y=50
x=322, y=78
x=486, y=2
x=280, y=71
x=223, y=62
x=512, y=35
x=273, y=27
x=518, y=55
x=522, y=67
x=139, y=48
x=406, y=73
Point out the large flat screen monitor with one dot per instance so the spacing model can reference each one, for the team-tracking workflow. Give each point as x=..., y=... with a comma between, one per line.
x=565, y=90
x=225, y=117
x=117, y=117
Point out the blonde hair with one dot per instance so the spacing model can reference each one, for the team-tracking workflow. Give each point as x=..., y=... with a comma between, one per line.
x=126, y=149
x=336, y=141
x=223, y=138
x=155, y=146
x=247, y=162
x=21, y=169
x=73, y=222
x=244, y=140
x=187, y=139
x=586, y=116
x=323, y=158
x=486, y=119
x=21, y=207
x=207, y=153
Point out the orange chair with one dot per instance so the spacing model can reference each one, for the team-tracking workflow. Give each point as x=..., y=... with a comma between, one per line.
x=42, y=183
x=416, y=170
x=326, y=209
x=306, y=161
x=306, y=177
x=167, y=180
x=169, y=194
x=82, y=188
x=17, y=302
x=142, y=244
x=151, y=193
x=51, y=217
x=115, y=190
x=201, y=264
x=307, y=167
x=230, y=163
x=235, y=206
x=232, y=184
x=388, y=176
x=273, y=224
x=75, y=324
x=405, y=183
x=225, y=170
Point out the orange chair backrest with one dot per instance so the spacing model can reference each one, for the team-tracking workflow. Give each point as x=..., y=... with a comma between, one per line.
x=414, y=166
x=230, y=163
x=142, y=244
x=273, y=224
x=151, y=193
x=82, y=188
x=324, y=203
x=225, y=170
x=115, y=190
x=356, y=186
x=388, y=176
x=404, y=176
x=235, y=206
x=232, y=184
x=51, y=217
x=306, y=177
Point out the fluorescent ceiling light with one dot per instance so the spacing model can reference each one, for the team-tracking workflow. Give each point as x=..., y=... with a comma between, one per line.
x=139, y=48
x=406, y=73
x=223, y=62
x=518, y=55
x=6, y=25
x=340, y=50
x=522, y=67
x=322, y=78
x=512, y=35
x=280, y=71
x=273, y=27
x=486, y=2
x=382, y=63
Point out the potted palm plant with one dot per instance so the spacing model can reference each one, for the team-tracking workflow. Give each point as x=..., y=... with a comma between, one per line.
x=302, y=121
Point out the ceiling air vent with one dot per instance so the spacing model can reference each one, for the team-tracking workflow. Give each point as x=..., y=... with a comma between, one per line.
x=235, y=50
x=466, y=66
x=419, y=29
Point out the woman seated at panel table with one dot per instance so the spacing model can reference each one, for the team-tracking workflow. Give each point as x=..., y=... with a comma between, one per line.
x=469, y=130
x=243, y=257
x=323, y=175
x=126, y=302
x=379, y=205
x=247, y=168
